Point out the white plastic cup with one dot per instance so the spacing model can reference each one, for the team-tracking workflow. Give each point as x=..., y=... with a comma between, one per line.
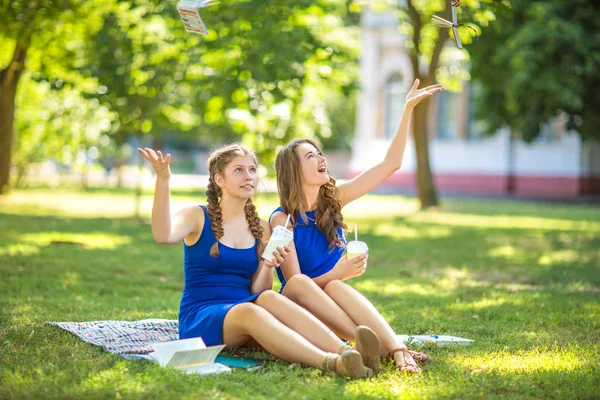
x=279, y=238
x=356, y=248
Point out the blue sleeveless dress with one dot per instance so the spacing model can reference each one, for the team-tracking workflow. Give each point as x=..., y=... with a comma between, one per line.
x=213, y=285
x=314, y=254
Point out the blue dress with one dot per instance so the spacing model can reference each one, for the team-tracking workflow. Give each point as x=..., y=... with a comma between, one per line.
x=314, y=254
x=213, y=285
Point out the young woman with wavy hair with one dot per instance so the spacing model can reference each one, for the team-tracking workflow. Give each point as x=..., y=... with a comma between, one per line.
x=309, y=194
x=227, y=297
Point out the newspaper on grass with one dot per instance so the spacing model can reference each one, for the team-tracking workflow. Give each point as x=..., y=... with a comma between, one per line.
x=188, y=11
x=188, y=355
x=440, y=340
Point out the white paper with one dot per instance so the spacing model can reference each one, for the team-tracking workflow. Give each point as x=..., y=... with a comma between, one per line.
x=440, y=340
x=188, y=11
x=187, y=355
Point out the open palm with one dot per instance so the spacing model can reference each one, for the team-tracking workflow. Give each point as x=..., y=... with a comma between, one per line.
x=160, y=164
x=415, y=96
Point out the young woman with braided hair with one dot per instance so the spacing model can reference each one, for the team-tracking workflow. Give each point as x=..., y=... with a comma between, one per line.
x=227, y=297
x=309, y=194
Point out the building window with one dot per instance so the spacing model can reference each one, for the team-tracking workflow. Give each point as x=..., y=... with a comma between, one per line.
x=447, y=116
x=395, y=95
x=548, y=131
x=475, y=128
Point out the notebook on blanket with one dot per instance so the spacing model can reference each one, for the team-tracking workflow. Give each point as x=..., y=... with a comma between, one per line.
x=155, y=340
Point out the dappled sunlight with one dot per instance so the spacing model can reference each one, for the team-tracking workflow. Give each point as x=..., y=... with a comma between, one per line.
x=581, y=287
x=487, y=302
x=396, y=231
x=22, y=249
x=70, y=279
x=21, y=313
x=560, y=257
x=87, y=240
x=524, y=361
x=118, y=377
x=507, y=251
x=503, y=222
x=396, y=289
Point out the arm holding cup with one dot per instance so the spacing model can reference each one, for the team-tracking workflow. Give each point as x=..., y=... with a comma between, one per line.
x=263, y=277
x=343, y=270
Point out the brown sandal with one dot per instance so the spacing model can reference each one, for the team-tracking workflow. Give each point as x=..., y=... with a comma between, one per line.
x=416, y=355
x=419, y=356
x=367, y=344
x=405, y=366
x=353, y=366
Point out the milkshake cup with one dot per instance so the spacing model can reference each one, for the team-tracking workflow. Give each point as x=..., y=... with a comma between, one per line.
x=356, y=248
x=280, y=237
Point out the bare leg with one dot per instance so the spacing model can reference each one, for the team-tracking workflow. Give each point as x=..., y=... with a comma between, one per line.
x=299, y=320
x=304, y=291
x=361, y=310
x=247, y=320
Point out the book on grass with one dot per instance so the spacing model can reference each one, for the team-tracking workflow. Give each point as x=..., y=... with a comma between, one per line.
x=248, y=364
x=188, y=355
x=440, y=340
x=188, y=11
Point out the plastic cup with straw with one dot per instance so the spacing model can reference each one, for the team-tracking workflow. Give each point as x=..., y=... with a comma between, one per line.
x=356, y=248
x=280, y=237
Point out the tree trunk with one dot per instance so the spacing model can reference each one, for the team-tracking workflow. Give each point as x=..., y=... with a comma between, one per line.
x=425, y=185
x=9, y=79
x=119, y=167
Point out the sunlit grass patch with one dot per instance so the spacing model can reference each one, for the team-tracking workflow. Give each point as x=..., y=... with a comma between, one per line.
x=97, y=240
x=520, y=278
x=503, y=362
x=504, y=222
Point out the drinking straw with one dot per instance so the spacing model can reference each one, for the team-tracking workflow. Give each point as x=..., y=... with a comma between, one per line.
x=287, y=221
x=355, y=233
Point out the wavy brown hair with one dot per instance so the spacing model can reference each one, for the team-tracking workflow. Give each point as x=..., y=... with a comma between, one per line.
x=217, y=163
x=328, y=216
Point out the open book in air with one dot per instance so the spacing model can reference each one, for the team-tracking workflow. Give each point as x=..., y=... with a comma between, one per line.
x=188, y=11
x=188, y=355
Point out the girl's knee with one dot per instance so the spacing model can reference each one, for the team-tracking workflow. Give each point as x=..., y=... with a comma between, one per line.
x=333, y=286
x=243, y=310
x=300, y=283
x=266, y=297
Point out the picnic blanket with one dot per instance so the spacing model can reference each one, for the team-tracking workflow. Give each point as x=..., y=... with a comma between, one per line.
x=130, y=339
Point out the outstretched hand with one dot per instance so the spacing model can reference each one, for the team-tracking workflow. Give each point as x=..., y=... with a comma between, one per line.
x=160, y=164
x=415, y=96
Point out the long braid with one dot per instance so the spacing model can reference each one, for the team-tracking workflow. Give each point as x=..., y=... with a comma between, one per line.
x=214, y=212
x=217, y=163
x=254, y=224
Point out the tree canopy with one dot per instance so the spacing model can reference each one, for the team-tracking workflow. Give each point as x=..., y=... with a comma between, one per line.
x=541, y=59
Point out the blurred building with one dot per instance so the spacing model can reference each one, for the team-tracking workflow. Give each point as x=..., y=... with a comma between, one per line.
x=557, y=165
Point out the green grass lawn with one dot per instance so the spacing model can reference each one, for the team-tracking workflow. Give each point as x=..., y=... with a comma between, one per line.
x=521, y=278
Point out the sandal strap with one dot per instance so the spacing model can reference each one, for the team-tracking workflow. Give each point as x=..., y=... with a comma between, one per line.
x=329, y=362
x=392, y=352
x=345, y=347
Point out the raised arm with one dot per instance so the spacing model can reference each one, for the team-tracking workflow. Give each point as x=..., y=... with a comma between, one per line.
x=374, y=176
x=187, y=221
